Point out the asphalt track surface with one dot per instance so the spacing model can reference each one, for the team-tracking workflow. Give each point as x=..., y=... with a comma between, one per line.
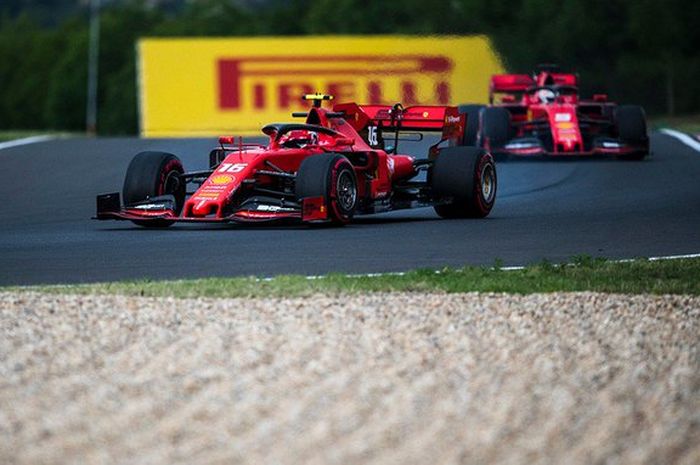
x=544, y=210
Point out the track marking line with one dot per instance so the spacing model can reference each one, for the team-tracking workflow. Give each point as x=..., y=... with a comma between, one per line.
x=503, y=268
x=25, y=141
x=674, y=257
x=683, y=137
x=403, y=273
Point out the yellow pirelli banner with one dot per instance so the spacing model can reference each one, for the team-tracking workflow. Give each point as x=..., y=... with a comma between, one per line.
x=203, y=87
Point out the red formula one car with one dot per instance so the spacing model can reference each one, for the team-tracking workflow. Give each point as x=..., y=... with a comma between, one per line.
x=326, y=170
x=543, y=114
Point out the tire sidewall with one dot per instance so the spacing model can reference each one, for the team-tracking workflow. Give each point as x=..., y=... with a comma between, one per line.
x=148, y=175
x=482, y=204
x=631, y=123
x=170, y=166
x=318, y=177
x=458, y=174
x=340, y=214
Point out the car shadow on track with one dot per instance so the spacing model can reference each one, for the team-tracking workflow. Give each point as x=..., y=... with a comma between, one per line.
x=360, y=221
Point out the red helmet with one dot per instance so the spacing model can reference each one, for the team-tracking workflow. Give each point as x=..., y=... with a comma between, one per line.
x=299, y=138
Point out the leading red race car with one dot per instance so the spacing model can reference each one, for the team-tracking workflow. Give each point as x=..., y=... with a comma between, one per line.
x=543, y=115
x=326, y=170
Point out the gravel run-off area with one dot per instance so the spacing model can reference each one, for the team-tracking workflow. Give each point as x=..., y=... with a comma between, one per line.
x=401, y=378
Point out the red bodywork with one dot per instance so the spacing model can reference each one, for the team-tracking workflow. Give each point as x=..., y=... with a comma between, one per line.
x=255, y=182
x=548, y=117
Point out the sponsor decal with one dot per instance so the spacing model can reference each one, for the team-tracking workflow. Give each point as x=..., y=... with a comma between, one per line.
x=241, y=84
x=150, y=206
x=231, y=167
x=208, y=195
x=559, y=117
x=612, y=145
x=273, y=208
x=231, y=73
x=221, y=179
x=566, y=125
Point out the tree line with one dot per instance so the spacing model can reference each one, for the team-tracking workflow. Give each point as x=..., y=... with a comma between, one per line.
x=640, y=51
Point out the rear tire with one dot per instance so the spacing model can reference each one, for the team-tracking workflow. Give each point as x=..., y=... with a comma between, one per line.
x=631, y=125
x=467, y=175
x=495, y=128
x=471, y=131
x=332, y=177
x=151, y=174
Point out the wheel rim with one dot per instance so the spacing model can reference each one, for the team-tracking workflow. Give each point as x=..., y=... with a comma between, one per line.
x=488, y=182
x=172, y=182
x=172, y=185
x=346, y=191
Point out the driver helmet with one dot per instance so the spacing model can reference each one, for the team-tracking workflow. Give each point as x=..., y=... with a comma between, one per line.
x=299, y=138
x=546, y=95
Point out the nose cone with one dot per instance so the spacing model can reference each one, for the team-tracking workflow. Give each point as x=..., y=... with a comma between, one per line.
x=203, y=208
x=569, y=145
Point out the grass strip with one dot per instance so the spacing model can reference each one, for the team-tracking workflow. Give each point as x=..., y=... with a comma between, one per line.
x=687, y=123
x=681, y=276
x=6, y=136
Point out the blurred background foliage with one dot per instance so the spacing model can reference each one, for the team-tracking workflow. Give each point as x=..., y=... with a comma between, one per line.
x=638, y=51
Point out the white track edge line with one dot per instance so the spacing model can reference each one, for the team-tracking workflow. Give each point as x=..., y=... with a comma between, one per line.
x=25, y=141
x=403, y=273
x=683, y=137
x=502, y=268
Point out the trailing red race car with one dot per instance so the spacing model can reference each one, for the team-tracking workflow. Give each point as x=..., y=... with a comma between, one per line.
x=326, y=170
x=543, y=114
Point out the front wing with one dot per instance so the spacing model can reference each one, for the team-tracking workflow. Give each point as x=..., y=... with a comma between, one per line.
x=533, y=147
x=161, y=210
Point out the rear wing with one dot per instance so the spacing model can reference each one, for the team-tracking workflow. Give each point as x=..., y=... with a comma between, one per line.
x=423, y=118
x=509, y=84
x=519, y=83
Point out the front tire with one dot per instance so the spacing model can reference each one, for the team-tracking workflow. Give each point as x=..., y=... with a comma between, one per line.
x=332, y=177
x=467, y=176
x=152, y=174
x=631, y=125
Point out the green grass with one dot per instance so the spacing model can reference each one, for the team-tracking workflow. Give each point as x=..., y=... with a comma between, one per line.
x=680, y=276
x=13, y=135
x=685, y=123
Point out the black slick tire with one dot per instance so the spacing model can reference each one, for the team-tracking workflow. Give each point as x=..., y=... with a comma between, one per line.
x=471, y=131
x=466, y=176
x=332, y=177
x=152, y=174
x=631, y=126
x=495, y=128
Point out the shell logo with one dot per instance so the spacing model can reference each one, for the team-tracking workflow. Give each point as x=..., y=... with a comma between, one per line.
x=221, y=179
